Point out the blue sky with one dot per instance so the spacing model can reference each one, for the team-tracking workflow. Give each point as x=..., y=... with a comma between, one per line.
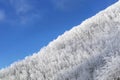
x=28, y=25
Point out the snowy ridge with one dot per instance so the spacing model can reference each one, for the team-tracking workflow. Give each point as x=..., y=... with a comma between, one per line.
x=89, y=51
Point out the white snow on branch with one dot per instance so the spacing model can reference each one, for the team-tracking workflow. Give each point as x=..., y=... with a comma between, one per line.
x=89, y=51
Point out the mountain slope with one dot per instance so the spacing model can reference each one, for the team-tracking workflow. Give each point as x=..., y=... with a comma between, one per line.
x=89, y=51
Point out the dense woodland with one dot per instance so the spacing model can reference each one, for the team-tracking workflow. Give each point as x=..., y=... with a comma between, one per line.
x=89, y=51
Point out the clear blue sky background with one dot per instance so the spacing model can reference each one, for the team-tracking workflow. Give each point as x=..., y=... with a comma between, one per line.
x=28, y=25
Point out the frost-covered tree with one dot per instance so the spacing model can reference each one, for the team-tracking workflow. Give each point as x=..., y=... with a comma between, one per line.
x=89, y=51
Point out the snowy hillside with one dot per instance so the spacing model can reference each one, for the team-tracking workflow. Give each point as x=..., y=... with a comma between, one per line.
x=89, y=51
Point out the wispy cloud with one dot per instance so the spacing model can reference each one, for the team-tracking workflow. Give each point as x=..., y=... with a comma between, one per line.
x=25, y=11
x=65, y=4
x=2, y=15
x=61, y=4
x=21, y=6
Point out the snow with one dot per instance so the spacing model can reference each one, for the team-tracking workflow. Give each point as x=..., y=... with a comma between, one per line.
x=89, y=51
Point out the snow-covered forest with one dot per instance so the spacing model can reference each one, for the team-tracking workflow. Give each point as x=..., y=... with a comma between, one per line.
x=89, y=51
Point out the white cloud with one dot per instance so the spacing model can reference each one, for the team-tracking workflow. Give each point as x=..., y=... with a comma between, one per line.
x=21, y=6
x=65, y=4
x=60, y=3
x=25, y=11
x=2, y=15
